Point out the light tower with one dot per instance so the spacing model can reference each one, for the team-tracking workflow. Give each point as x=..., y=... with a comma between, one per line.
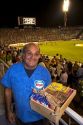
x=65, y=10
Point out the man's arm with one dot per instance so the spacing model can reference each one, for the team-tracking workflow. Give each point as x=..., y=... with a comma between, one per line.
x=8, y=102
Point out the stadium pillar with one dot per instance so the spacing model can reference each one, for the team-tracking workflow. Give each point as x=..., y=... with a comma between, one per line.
x=65, y=19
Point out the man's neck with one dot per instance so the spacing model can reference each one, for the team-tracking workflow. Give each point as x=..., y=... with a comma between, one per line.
x=29, y=68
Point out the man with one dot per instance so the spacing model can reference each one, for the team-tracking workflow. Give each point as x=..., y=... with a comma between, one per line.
x=19, y=81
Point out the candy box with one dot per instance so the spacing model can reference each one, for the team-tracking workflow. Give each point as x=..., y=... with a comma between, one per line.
x=56, y=99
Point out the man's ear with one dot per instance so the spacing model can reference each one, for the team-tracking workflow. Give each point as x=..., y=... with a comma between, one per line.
x=39, y=56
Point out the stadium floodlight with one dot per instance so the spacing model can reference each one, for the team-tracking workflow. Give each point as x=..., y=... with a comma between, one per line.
x=65, y=10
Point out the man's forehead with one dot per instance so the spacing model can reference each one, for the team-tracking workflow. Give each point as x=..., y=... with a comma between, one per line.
x=31, y=47
x=32, y=51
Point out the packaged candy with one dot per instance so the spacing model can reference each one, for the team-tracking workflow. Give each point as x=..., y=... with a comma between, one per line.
x=41, y=99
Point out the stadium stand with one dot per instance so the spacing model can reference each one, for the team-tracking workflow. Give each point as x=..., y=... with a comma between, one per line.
x=15, y=35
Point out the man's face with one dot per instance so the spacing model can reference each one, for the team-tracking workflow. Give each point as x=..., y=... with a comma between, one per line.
x=31, y=57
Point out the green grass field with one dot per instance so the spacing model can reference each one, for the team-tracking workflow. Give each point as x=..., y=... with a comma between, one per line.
x=66, y=48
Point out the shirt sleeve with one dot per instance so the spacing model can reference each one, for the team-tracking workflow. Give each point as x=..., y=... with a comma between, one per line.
x=6, y=79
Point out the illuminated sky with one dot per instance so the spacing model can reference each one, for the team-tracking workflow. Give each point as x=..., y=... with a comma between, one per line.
x=47, y=12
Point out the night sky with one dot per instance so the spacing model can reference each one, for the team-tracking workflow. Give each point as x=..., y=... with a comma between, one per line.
x=48, y=13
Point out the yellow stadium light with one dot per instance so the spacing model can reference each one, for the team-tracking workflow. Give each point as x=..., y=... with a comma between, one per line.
x=65, y=10
x=66, y=5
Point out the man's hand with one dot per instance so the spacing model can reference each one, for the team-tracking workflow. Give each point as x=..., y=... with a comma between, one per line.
x=41, y=92
x=11, y=117
x=8, y=102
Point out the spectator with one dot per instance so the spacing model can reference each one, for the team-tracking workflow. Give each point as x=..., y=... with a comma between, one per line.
x=80, y=73
x=64, y=77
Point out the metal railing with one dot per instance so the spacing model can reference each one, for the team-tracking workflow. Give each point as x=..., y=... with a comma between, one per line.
x=75, y=116
x=72, y=115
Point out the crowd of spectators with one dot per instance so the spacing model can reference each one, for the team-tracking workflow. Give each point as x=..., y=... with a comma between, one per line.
x=62, y=70
x=15, y=35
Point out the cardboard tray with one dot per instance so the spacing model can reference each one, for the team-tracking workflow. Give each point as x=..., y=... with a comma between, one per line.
x=50, y=114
